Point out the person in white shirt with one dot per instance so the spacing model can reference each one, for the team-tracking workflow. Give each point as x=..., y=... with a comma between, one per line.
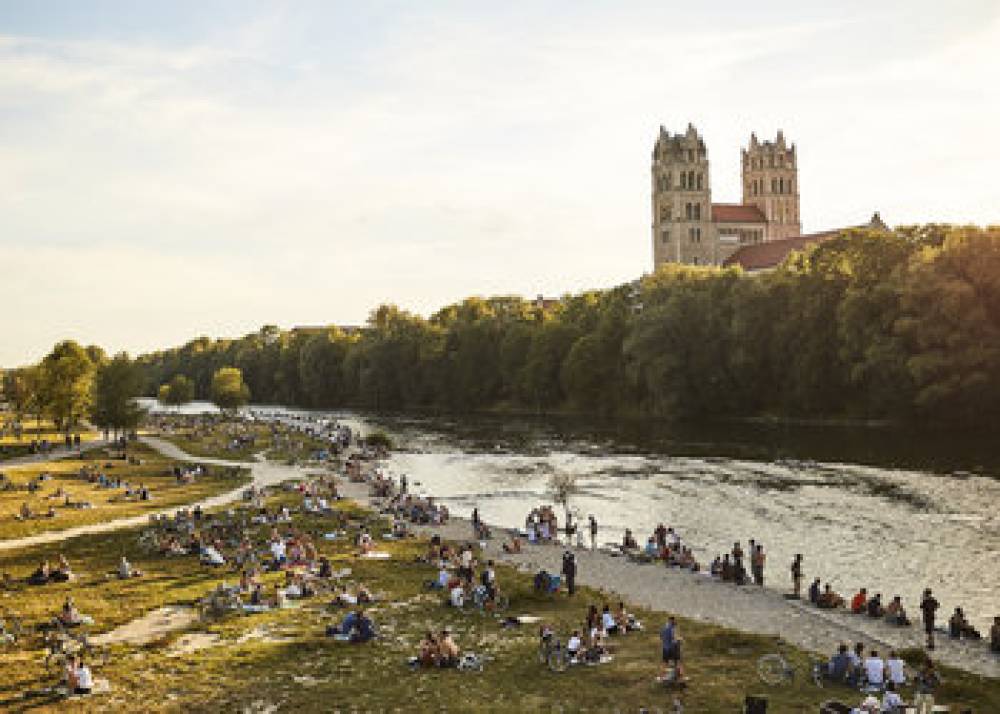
x=891, y=701
x=211, y=556
x=875, y=670
x=457, y=596
x=896, y=669
x=574, y=644
x=278, y=550
x=84, y=679
x=608, y=621
x=444, y=577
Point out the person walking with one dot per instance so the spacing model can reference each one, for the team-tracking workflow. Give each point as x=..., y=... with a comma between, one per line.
x=593, y=532
x=797, y=575
x=929, y=607
x=569, y=571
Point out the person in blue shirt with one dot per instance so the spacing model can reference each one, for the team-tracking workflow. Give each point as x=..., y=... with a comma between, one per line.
x=840, y=667
x=364, y=628
x=671, y=645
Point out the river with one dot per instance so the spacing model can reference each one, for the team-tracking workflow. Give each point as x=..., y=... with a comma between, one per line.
x=891, y=511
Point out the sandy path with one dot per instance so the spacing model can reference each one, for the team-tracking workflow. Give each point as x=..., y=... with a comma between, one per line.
x=262, y=473
x=698, y=597
x=58, y=455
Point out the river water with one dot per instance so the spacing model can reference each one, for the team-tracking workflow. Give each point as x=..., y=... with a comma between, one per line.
x=891, y=511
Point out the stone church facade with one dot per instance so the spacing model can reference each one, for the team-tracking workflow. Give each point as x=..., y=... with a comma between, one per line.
x=688, y=228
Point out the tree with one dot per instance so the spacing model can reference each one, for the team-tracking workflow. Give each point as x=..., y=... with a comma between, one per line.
x=67, y=377
x=177, y=392
x=117, y=384
x=16, y=392
x=563, y=487
x=229, y=393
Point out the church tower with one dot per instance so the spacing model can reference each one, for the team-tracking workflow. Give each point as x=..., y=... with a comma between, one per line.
x=683, y=231
x=771, y=182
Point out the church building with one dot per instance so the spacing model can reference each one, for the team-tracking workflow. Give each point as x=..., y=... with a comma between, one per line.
x=688, y=228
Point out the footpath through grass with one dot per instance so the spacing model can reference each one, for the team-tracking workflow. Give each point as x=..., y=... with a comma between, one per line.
x=282, y=658
x=153, y=471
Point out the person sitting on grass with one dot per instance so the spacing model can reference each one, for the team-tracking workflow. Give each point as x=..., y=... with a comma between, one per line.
x=841, y=666
x=608, y=622
x=126, y=570
x=574, y=646
x=995, y=636
x=891, y=701
x=874, y=670
x=25, y=513
x=211, y=556
x=895, y=614
x=628, y=540
x=69, y=616
x=428, y=650
x=41, y=575
x=84, y=680
x=63, y=573
x=895, y=669
x=443, y=578
x=447, y=650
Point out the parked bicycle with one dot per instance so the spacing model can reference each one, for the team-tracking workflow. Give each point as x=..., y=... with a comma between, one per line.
x=776, y=669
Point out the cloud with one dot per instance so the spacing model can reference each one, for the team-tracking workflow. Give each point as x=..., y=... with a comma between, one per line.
x=304, y=166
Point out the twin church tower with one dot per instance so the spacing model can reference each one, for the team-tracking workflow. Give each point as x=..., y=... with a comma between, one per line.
x=689, y=228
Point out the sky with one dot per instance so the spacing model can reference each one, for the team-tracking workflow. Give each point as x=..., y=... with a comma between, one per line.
x=170, y=170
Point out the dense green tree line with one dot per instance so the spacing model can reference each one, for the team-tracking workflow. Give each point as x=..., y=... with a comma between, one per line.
x=901, y=324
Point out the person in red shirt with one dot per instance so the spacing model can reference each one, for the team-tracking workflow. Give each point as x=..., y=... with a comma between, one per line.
x=859, y=602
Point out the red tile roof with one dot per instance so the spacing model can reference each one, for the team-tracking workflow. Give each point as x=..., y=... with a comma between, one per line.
x=736, y=213
x=770, y=254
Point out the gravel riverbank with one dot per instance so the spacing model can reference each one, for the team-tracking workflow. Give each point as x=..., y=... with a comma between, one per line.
x=696, y=596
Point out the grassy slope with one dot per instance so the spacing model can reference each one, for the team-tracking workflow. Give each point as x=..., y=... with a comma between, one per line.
x=303, y=670
x=154, y=472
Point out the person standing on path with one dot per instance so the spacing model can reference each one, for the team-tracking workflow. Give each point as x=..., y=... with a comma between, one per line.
x=593, y=532
x=757, y=559
x=797, y=576
x=569, y=570
x=929, y=606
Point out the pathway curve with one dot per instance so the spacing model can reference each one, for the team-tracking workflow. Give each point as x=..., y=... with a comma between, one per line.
x=262, y=473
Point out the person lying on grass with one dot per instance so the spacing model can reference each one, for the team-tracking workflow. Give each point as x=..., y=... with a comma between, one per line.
x=41, y=575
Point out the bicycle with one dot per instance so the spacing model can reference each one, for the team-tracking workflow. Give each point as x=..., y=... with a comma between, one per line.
x=481, y=599
x=775, y=669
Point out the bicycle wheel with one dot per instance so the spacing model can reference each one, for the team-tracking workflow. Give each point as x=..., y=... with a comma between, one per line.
x=773, y=669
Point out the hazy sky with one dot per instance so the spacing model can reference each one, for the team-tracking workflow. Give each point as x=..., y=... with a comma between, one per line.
x=171, y=169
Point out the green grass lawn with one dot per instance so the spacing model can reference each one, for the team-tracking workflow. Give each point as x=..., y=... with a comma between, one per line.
x=154, y=472
x=282, y=658
x=215, y=442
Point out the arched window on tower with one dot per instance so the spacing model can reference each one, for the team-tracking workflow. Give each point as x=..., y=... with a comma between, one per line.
x=700, y=177
x=684, y=180
x=781, y=185
x=688, y=211
x=691, y=180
